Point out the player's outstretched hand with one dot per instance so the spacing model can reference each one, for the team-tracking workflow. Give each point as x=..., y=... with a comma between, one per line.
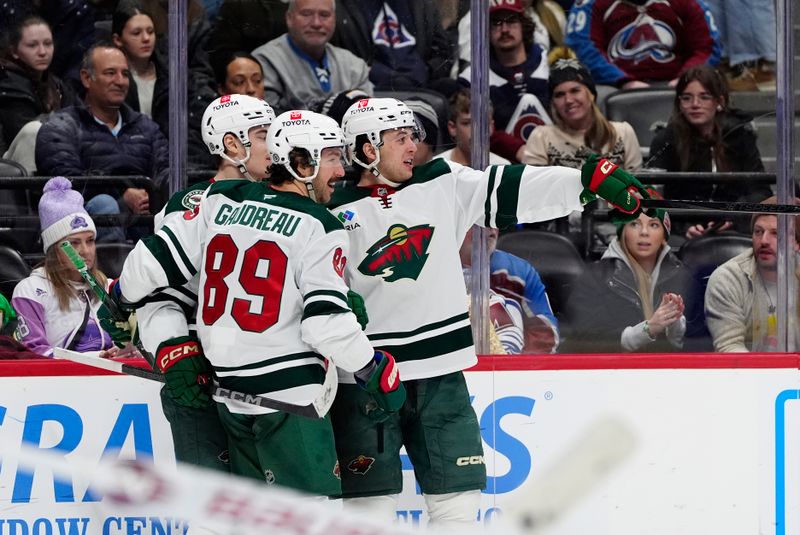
x=186, y=371
x=381, y=378
x=120, y=329
x=356, y=304
x=620, y=188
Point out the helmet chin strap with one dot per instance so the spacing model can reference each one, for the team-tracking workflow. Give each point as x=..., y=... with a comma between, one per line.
x=308, y=181
x=373, y=169
x=240, y=164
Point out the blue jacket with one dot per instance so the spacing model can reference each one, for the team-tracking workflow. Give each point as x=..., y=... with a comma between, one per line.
x=72, y=143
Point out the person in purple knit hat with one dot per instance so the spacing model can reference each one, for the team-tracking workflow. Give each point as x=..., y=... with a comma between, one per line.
x=55, y=307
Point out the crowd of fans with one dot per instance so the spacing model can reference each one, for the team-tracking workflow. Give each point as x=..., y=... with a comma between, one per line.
x=86, y=83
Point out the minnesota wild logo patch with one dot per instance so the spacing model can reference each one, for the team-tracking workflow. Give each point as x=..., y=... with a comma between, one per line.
x=400, y=254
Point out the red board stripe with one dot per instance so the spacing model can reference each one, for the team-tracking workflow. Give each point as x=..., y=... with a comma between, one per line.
x=487, y=363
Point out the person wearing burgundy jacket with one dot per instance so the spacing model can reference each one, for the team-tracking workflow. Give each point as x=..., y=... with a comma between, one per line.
x=633, y=43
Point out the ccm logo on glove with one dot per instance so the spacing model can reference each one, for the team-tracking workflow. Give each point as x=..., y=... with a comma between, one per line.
x=390, y=378
x=603, y=169
x=170, y=355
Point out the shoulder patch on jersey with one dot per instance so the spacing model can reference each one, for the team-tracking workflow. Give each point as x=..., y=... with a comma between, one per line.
x=192, y=198
x=401, y=254
x=187, y=198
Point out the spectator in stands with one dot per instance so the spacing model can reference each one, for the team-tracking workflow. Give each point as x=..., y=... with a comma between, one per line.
x=134, y=32
x=747, y=31
x=55, y=307
x=245, y=25
x=104, y=136
x=29, y=89
x=634, y=43
x=742, y=293
x=241, y=74
x=549, y=23
x=580, y=128
x=505, y=326
x=519, y=71
x=427, y=117
x=459, y=126
x=515, y=279
x=301, y=65
x=706, y=134
x=402, y=41
x=632, y=298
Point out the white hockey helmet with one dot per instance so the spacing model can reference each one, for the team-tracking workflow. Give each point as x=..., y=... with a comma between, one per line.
x=302, y=129
x=372, y=117
x=233, y=114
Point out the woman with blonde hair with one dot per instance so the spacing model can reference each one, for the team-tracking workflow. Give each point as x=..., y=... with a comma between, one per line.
x=580, y=128
x=55, y=307
x=632, y=299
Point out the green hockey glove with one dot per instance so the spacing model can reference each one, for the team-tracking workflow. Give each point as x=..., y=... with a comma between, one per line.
x=381, y=379
x=621, y=189
x=356, y=304
x=120, y=329
x=186, y=371
x=7, y=313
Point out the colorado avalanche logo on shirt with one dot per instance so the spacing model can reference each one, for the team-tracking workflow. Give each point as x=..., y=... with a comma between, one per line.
x=78, y=222
x=388, y=31
x=644, y=38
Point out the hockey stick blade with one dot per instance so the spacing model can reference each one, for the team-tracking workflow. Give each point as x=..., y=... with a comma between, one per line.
x=579, y=469
x=718, y=206
x=318, y=408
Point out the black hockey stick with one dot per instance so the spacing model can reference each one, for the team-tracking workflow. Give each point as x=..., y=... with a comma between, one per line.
x=316, y=409
x=740, y=207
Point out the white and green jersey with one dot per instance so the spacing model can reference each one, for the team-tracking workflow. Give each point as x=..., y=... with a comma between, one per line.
x=271, y=296
x=169, y=312
x=404, y=251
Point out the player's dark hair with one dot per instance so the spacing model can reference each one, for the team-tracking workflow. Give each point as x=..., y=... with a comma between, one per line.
x=278, y=174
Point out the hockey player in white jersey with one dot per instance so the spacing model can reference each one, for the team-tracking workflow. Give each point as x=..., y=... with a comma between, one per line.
x=271, y=302
x=405, y=226
x=234, y=127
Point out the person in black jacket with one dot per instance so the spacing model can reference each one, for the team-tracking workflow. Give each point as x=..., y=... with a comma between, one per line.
x=632, y=299
x=104, y=135
x=27, y=87
x=705, y=134
x=403, y=42
x=134, y=29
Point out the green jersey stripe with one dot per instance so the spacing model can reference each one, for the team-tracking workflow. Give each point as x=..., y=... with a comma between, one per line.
x=269, y=362
x=508, y=196
x=431, y=347
x=322, y=308
x=425, y=328
x=285, y=379
x=160, y=250
x=187, y=309
x=331, y=293
x=487, y=206
x=179, y=248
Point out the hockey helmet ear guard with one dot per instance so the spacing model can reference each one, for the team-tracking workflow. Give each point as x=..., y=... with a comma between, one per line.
x=302, y=129
x=233, y=114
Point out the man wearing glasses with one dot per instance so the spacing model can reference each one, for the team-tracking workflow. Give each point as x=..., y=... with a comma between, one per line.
x=519, y=71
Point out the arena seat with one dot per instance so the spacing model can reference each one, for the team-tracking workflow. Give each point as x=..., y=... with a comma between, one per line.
x=554, y=256
x=13, y=268
x=702, y=256
x=13, y=202
x=111, y=257
x=713, y=250
x=643, y=108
